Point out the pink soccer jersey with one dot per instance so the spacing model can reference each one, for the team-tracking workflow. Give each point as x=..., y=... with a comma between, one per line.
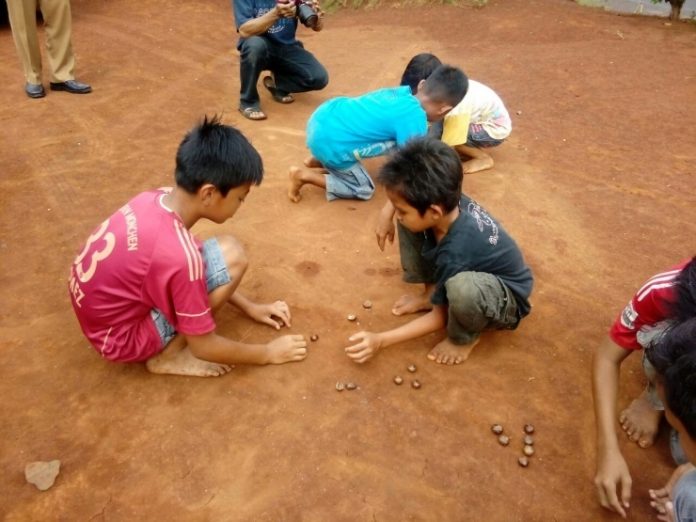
x=141, y=258
x=648, y=307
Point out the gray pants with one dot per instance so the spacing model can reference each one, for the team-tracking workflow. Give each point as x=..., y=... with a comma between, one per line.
x=685, y=498
x=477, y=301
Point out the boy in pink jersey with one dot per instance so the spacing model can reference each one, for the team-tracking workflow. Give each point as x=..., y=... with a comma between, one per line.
x=145, y=289
x=665, y=299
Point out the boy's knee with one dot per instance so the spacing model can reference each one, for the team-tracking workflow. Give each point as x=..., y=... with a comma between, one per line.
x=234, y=255
x=253, y=49
x=320, y=79
x=464, y=292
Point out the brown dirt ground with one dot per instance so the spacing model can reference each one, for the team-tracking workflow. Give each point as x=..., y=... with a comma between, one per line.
x=594, y=183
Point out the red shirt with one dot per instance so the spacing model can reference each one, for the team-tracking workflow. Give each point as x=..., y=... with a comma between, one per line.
x=649, y=306
x=141, y=258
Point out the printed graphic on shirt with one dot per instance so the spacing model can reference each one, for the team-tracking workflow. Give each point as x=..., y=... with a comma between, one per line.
x=277, y=27
x=483, y=220
x=629, y=316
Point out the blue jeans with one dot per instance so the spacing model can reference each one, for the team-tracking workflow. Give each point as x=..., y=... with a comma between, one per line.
x=216, y=275
x=294, y=68
x=684, y=495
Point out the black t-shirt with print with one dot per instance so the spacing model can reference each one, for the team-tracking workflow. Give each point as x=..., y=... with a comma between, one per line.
x=475, y=242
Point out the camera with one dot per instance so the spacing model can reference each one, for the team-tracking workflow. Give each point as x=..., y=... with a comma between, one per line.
x=306, y=13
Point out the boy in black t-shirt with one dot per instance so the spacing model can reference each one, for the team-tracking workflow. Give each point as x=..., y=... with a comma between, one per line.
x=474, y=274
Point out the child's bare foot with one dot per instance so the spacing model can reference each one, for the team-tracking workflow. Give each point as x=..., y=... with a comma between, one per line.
x=446, y=352
x=640, y=421
x=410, y=304
x=296, y=183
x=477, y=165
x=313, y=163
x=183, y=362
x=289, y=348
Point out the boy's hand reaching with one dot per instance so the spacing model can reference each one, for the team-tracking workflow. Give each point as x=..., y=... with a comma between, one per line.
x=385, y=229
x=612, y=472
x=368, y=345
x=275, y=314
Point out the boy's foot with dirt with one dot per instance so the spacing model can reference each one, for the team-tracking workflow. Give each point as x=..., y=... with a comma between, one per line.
x=410, y=304
x=640, y=421
x=183, y=362
x=296, y=183
x=477, y=165
x=313, y=163
x=446, y=352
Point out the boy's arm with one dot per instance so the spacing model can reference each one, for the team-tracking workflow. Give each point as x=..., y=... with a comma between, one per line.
x=612, y=469
x=385, y=225
x=274, y=314
x=369, y=343
x=216, y=348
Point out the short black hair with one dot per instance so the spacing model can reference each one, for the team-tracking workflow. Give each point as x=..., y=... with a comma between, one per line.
x=684, y=306
x=674, y=358
x=424, y=172
x=217, y=154
x=446, y=84
x=419, y=68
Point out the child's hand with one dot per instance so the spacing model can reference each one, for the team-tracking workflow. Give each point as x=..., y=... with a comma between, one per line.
x=368, y=345
x=385, y=229
x=275, y=314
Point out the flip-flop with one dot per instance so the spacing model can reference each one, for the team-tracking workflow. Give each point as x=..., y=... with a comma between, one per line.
x=269, y=84
x=253, y=113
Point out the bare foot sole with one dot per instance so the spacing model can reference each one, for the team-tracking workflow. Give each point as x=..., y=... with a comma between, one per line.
x=477, y=165
x=184, y=363
x=296, y=183
x=313, y=163
x=640, y=421
x=446, y=352
x=410, y=304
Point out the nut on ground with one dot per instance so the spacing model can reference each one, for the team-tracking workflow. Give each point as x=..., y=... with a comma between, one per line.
x=340, y=386
x=415, y=384
x=367, y=304
x=314, y=338
x=504, y=440
x=528, y=450
x=351, y=386
x=352, y=317
x=529, y=429
x=411, y=368
x=528, y=440
x=497, y=429
x=523, y=461
x=398, y=380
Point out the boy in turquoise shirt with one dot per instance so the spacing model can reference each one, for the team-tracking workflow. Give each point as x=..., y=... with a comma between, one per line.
x=344, y=130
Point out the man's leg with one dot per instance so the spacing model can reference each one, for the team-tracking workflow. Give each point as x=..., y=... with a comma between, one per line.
x=225, y=265
x=416, y=270
x=477, y=301
x=296, y=70
x=22, y=15
x=58, y=24
x=254, y=58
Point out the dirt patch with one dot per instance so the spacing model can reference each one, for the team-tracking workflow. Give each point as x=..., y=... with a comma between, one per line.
x=595, y=183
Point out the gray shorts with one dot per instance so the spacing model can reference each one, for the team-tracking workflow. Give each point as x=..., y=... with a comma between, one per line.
x=216, y=275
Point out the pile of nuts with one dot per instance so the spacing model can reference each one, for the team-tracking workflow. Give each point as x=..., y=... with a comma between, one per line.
x=528, y=442
x=415, y=383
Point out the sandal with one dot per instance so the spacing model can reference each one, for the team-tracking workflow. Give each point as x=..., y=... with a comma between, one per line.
x=269, y=84
x=252, y=113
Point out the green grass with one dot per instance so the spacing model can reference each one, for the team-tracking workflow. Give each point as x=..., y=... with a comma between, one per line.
x=333, y=5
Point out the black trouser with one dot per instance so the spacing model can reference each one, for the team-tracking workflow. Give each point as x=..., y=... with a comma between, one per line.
x=294, y=68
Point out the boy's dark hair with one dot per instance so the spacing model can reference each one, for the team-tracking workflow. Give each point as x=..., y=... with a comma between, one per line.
x=446, y=84
x=217, y=154
x=424, y=172
x=674, y=359
x=684, y=307
x=419, y=68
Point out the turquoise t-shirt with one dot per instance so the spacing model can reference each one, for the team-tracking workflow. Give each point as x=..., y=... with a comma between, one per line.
x=343, y=130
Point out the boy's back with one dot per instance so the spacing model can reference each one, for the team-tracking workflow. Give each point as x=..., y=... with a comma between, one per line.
x=141, y=258
x=341, y=127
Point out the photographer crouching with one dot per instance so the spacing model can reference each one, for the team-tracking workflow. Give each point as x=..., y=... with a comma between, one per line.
x=267, y=42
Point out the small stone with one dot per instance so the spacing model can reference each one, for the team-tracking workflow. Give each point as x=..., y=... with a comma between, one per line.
x=523, y=461
x=519, y=113
x=352, y=317
x=415, y=384
x=42, y=474
x=314, y=338
x=528, y=440
x=351, y=386
x=340, y=386
x=528, y=450
x=504, y=440
x=412, y=368
x=529, y=429
x=497, y=429
x=398, y=380
x=367, y=304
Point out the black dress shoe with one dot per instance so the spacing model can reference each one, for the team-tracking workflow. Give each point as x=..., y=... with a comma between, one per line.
x=34, y=90
x=71, y=86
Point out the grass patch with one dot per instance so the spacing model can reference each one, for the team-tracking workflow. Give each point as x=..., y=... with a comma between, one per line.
x=333, y=5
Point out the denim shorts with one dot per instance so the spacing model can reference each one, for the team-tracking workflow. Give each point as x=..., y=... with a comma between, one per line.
x=216, y=275
x=479, y=138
